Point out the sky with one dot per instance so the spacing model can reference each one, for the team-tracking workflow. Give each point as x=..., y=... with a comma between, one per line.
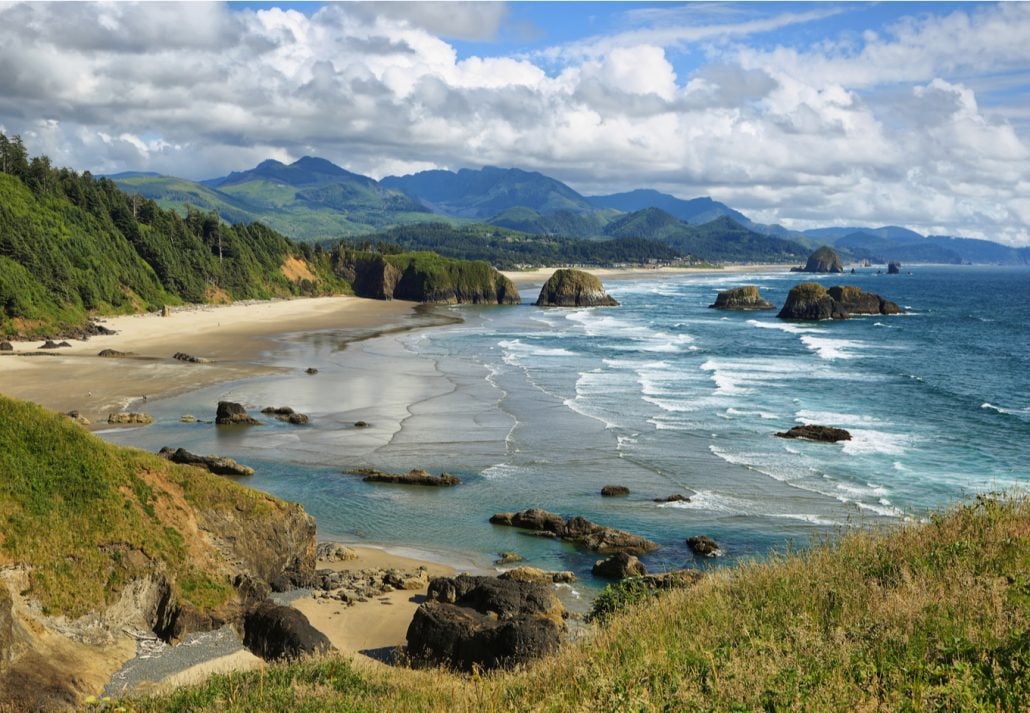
x=803, y=114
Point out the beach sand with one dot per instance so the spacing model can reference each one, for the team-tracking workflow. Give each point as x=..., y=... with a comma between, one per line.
x=233, y=337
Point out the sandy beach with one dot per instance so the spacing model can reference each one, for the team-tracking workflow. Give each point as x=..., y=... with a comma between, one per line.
x=231, y=337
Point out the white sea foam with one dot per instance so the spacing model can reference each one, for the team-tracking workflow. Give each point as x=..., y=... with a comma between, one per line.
x=886, y=511
x=1001, y=409
x=862, y=491
x=804, y=517
x=785, y=327
x=807, y=417
x=832, y=349
x=760, y=414
x=670, y=405
x=713, y=502
x=866, y=440
x=520, y=349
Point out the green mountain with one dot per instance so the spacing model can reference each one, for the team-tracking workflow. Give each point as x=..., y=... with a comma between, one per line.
x=72, y=246
x=562, y=222
x=719, y=240
x=486, y=192
x=310, y=199
x=696, y=211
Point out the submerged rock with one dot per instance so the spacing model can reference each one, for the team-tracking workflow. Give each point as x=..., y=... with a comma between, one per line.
x=741, y=298
x=704, y=546
x=216, y=464
x=577, y=530
x=824, y=259
x=614, y=491
x=485, y=622
x=416, y=476
x=619, y=566
x=574, y=288
x=230, y=413
x=509, y=558
x=827, y=434
x=812, y=301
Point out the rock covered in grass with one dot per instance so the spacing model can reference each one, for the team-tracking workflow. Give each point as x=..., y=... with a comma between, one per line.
x=276, y=632
x=215, y=464
x=704, y=546
x=812, y=432
x=574, y=288
x=619, y=566
x=614, y=491
x=485, y=622
x=577, y=530
x=230, y=413
x=745, y=298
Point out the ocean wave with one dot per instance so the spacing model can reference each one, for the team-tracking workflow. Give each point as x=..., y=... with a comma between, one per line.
x=804, y=517
x=833, y=418
x=1007, y=411
x=868, y=441
x=785, y=327
x=869, y=490
x=885, y=510
x=713, y=502
x=671, y=406
x=519, y=348
x=766, y=415
x=831, y=349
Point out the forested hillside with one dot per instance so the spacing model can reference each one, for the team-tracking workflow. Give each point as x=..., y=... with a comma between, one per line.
x=72, y=246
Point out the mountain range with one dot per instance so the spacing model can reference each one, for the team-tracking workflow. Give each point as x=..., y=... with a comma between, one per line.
x=313, y=200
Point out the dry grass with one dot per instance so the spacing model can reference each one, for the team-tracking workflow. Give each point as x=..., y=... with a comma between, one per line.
x=927, y=617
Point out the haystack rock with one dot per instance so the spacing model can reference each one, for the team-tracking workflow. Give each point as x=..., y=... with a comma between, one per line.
x=574, y=288
x=825, y=259
x=741, y=298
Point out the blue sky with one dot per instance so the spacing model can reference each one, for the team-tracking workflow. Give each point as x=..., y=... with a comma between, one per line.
x=802, y=114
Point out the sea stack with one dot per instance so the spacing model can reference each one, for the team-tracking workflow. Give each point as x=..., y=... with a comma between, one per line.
x=811, y=301
x=574, y=288
x=741, y=298
x=894, y=267
x=825, y=259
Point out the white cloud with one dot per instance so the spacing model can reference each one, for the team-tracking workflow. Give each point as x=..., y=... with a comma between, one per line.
x=886, y=130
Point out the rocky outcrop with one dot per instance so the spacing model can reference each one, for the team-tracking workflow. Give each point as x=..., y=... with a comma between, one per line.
x=215, y=464
x=619, y=566
x=825, y=259
x=574, y=288
x=827, y=434
x=412, y=477
x=334, y=552
x=353, y=586
x=311, y=370
x=51, y=344
x=112, y=353
x=485, y=622
x=704, y=546
x=182, y=356
x=577, y=530
x=894, y=267
x=131, y=417
x=812, y=301
x=674, y=498
x=508, y=558
x=535, y=574
x=276, y=633
x=287, y=414
x=6, y=347
x=614, y=491
x=230, y=413
x=741, y=298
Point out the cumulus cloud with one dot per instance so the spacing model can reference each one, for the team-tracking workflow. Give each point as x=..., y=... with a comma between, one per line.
x=889, y=129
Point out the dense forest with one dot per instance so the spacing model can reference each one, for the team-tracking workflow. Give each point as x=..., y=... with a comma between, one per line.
x=509, y=249
x=73, y=246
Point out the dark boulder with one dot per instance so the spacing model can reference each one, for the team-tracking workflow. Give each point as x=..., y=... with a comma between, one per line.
x=360, y=424
x=824, y=259
x=182, y=356
x=276, y=632
x=535, y=574
x=619, y=566
x=574, y=288
x=230, y=413
x=413, y=477
x=810, y=432
x=577, y=530
x=812, y=301
x=851, y=300
x=51, y=344
x=741, y=298
x=6, y=347
x=285, y=413
x=704, y=546
x=215, y=464
x=311, y=370
x=614, y=491
x=111, y=353
x=894, y=267
x=674, y=498
x=485, y=622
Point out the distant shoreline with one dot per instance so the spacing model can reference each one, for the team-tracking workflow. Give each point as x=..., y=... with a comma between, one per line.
x=540, y=274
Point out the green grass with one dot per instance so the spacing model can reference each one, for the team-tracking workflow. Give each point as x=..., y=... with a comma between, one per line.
x=934, y=616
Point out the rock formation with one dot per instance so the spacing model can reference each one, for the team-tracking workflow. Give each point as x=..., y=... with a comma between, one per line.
x=614, y=491
x=894, y=267
x=182, y=356
x=619, y=566
x=574, y=288
x=111, y=353
x=132, y=417
x=534, y=574
x=6, y=347
x=215, y=464
x=353, y=586
x=704, y=546
x=741, y=298
x=334, y=552
x=812, y=301
x=276, y=632
x=826, y=434
x=508, y=558
x=416, y=476
x=485, y=622
x=230, y=413
x=824, y=259
x=51, y=344
x=577, y=530
x=674, y=498
x=287, y=414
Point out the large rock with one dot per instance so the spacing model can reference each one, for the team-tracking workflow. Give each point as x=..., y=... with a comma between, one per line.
x=811, y=432
x=614, y=491
x=535, y=574
x=6, y=347
x=824, y=259
x=484, y=622
x=230, y=413
x=577, y=530
x=276, y=632
x=216, y=464
x=574, y=288
x=413, y=477
x=741, y=298
x=894, y=267
x=619, y=566
x=812, y=301
x=704, y=545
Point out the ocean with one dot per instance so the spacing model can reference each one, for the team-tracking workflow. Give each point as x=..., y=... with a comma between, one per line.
x=541, y=407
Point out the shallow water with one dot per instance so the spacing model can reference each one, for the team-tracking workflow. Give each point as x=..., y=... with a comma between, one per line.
x=542, y=407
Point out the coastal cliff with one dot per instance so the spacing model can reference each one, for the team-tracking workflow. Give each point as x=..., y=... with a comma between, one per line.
x=424, y=277
x=99, y=539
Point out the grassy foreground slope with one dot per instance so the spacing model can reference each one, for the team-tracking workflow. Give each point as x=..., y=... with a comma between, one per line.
x=933, y=616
